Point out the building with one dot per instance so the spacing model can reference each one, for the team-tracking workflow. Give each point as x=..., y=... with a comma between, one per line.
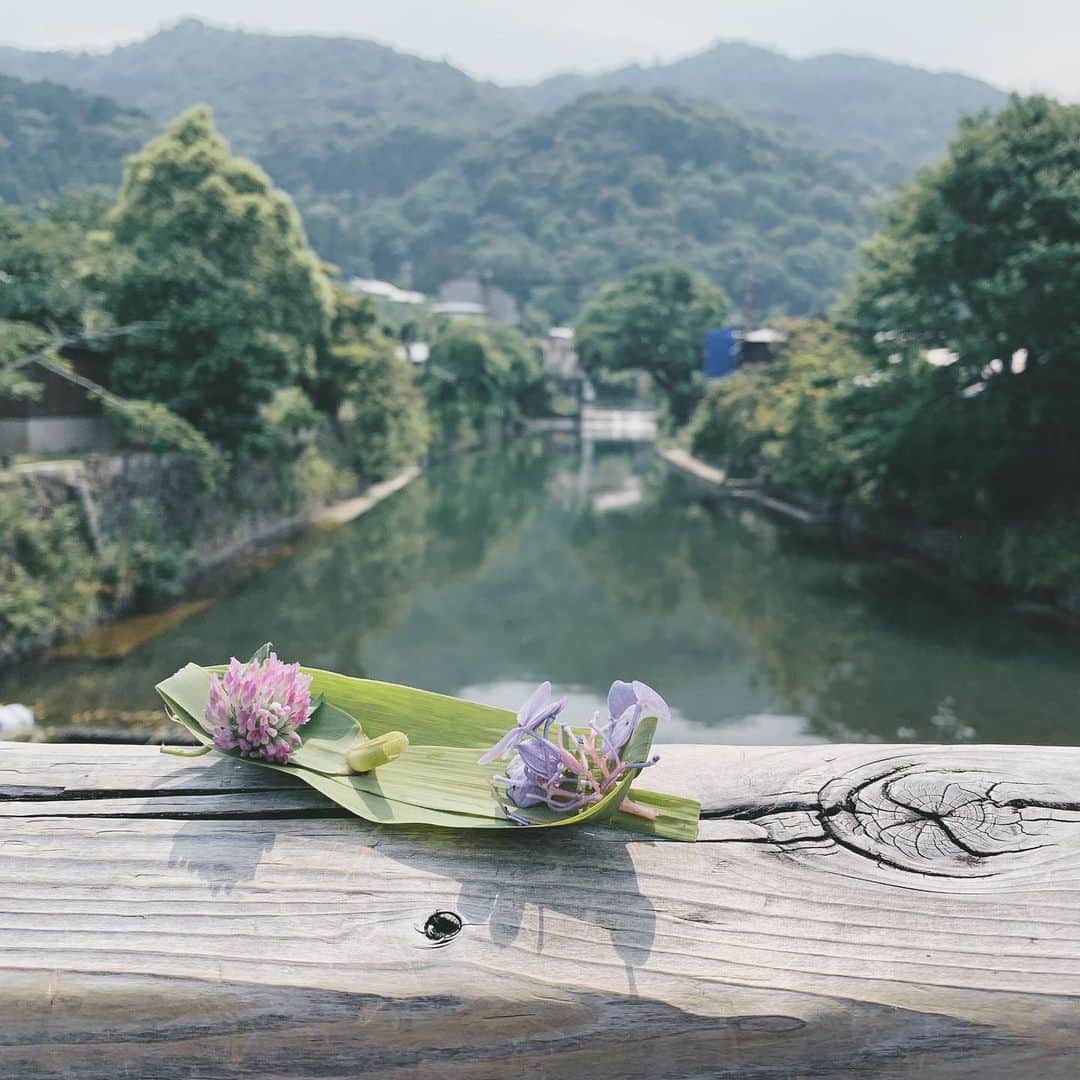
x=461, y=309
x=759, y=346
x=384, y=290
x=560, y=356
x=727, y=349
x=495, y=303
x=416, y=352
x=66, y=416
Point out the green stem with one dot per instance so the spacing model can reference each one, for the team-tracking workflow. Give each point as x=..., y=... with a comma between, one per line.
x=186, y=751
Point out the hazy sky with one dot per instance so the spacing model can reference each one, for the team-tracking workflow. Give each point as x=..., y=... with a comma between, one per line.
x=1018, y=44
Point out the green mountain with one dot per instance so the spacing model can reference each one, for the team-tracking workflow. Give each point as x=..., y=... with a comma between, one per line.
x=613, y=181
x=321, y=114
x=885, y=119
x=409, y=168
x=52, y=137
x=324, y=111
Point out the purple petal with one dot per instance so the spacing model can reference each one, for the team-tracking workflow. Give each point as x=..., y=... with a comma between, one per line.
x=619, y=731
x=620, y=697
x=535, y=701
x=652, y=703
x=540, y=758
x=549, y=712
x=505, y=744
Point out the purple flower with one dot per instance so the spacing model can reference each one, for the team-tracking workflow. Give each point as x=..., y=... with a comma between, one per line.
x=255, y=708
x=557, y=768
x=537, y=712
x=627, y=704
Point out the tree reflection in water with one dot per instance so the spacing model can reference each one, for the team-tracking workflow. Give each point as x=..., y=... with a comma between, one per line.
x=864, y=648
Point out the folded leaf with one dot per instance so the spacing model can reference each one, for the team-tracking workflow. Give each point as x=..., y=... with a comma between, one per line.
x=438, y=780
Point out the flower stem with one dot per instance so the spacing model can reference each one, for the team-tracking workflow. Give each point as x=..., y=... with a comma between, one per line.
x=630, y=807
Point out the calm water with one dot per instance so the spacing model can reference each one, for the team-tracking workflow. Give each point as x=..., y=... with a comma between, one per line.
x=497, y=571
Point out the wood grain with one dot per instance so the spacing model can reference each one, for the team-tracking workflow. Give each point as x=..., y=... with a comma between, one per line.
x=853, y=911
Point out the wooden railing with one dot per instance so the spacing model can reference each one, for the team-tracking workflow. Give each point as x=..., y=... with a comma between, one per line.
x=877, y=911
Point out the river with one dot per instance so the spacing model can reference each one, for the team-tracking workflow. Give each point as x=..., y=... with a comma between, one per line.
x=495, y=571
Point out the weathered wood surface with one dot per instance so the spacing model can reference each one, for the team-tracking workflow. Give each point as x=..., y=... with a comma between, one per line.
x=852, y=911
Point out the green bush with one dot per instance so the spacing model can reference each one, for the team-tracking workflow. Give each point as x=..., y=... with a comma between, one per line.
x=148, y=568
x=653, y=320
x=50, y=574
x=978, y=255
x=214, y=261
x=384, y=419
x=148, y=425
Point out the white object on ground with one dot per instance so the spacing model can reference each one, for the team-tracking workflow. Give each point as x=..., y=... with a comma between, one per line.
x=15, y=721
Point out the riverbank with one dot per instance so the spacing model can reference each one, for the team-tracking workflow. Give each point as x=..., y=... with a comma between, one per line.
x=717, y=479
x=113, y=542
x=991, y=562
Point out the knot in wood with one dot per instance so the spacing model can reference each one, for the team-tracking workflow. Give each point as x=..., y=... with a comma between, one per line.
x=442, y=926
x=946, y=821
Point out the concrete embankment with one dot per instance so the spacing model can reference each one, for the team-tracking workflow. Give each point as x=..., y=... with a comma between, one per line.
x=89, y=541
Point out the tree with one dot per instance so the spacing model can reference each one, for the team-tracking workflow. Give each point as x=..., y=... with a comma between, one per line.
x=653, y=320
x=480, y=372
x=981, y=255
x=45, y=262
x=208, y=251
x=776, y=421
x=385, y=413
x=45, y=296
x=337, y=369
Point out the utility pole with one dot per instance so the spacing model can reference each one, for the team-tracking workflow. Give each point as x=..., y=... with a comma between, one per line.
x=748, y=294
x=744, y=256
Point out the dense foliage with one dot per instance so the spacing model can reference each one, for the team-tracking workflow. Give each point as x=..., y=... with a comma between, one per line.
x=778, y=422
x=653, y=320
x=319, y=109
x=885, y=119
x=556, y=207
x=480, y=379
x=322, y=114
x=981, y=255
x=50, y=578
x=220, y=331
x=44, y=295
x=214, y=260
x=384, y=417
x=53, y=137
x=45, y=261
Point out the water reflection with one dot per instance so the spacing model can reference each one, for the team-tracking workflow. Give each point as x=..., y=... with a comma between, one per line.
x=496, y=571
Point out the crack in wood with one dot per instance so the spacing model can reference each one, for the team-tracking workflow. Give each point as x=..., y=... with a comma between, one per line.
x=921, y=817
x=11, y=793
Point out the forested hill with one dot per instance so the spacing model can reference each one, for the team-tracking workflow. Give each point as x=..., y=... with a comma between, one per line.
x=886, y=119
x=613, y=181
x=398, y=162
x=332, y=114
x=332, y=108
x=52, y=137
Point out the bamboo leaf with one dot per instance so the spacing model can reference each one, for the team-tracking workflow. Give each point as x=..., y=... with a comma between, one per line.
x=427, y=718
x=676, y=818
